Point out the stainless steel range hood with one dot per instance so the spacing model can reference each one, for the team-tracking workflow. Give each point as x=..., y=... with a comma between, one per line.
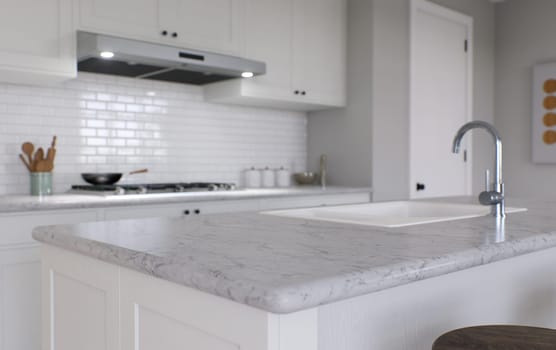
x=137, y=59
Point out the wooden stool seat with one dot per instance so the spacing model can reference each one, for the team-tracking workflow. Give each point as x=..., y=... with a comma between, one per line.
x=497, y=337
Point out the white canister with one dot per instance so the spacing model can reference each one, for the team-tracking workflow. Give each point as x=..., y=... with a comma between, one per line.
x=252, y=178
x=267, y=177
x=283, y=177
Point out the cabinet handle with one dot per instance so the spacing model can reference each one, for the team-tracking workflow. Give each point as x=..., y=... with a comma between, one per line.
x=164, y=32
x=186, y=212
x=296, y=92
x=197, y=211
x=174, y=35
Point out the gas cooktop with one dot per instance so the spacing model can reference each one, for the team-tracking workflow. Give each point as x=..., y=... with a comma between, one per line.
x=152, y=188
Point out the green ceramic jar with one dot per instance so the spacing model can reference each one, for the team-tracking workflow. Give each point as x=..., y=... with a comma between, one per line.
x=41, y=184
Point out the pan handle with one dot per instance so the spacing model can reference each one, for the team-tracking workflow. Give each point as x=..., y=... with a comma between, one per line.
x=139, y=171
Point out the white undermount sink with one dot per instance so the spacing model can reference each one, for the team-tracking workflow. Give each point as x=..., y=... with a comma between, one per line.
x=391, y=214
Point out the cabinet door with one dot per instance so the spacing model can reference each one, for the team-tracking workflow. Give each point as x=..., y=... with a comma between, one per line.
x=182, y=209
x=319, y=48
x=129, y=18
x=211, y=25
x=20, y=287
x=20, y=306
x=37, y=41
x=268, y=38
x=80, y=302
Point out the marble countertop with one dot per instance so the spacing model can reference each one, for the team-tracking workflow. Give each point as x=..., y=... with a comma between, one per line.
x=283, y=265
x=79, y=201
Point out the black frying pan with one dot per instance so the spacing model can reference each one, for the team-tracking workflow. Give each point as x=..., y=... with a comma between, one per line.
x=107, y=178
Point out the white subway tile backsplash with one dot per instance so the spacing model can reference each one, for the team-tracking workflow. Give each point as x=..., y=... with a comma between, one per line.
x=107, y=123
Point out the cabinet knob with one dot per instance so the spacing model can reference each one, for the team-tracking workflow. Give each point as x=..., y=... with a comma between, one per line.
x=174, y=35
x=186, y=212
x=304, y=93
x=420, y=186
x=164, y=32
x=296, y=92
x=197, y=211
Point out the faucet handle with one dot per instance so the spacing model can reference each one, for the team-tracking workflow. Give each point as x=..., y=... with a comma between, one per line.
x=490, y=198
x=487, y=180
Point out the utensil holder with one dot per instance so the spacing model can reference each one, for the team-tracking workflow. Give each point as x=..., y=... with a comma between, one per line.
x=41, y=184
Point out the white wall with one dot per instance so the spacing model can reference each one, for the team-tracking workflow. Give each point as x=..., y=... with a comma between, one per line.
x=345, y=134
x=390, y=93
x=367, y=141
x=110, y=124
x=525, y=33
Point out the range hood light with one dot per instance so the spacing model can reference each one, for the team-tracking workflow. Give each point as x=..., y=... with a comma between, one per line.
x=106, y=54
x=247, y=74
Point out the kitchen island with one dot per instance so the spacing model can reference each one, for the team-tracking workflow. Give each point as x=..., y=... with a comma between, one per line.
x=254, y=281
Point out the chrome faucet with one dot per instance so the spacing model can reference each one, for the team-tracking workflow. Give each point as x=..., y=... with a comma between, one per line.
x=492, y=195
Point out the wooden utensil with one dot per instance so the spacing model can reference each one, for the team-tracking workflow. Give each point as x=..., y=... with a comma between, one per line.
x=139, y=171
x=28, y=148
x=51, y=154
x=39, y=156
x=42, y=166
x=27, y=165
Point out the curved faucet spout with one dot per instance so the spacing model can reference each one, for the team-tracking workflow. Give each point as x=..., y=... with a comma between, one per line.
x=498, y=194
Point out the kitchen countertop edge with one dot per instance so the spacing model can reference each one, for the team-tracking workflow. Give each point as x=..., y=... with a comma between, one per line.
x=15, y=204
x=305, y=295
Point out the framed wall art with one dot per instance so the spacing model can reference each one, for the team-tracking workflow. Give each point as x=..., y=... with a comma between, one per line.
x=544, y=113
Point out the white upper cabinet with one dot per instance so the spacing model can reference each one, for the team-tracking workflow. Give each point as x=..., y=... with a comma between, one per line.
x=37, y=41
x=212, y=25
x=319, y=50
x=205, y=24
x=303, y=43
x=268, y=38
x=126, y=18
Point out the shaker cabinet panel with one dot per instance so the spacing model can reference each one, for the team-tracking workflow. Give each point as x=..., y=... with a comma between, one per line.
x=270, y=41
x=20, y=285
x=303, y=43
x=133, y=18
x=211, y=25
x=319, y=49
x=37, y=41
x=20, y=306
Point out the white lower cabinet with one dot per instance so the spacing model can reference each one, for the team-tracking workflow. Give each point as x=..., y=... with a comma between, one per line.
x=87, y=322
x=232, y=206
x=175, y=210
x=86, y=298
x=20, y=287
x=91, y=305
x=20, y=298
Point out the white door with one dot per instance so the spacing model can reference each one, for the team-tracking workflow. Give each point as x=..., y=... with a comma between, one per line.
x=440, y=100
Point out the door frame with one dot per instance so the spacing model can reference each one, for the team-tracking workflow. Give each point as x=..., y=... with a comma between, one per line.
x=467, y=21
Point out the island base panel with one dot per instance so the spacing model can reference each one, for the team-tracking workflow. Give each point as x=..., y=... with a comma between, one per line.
x=87, y=299
x=519, y=290
x=90, y=304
